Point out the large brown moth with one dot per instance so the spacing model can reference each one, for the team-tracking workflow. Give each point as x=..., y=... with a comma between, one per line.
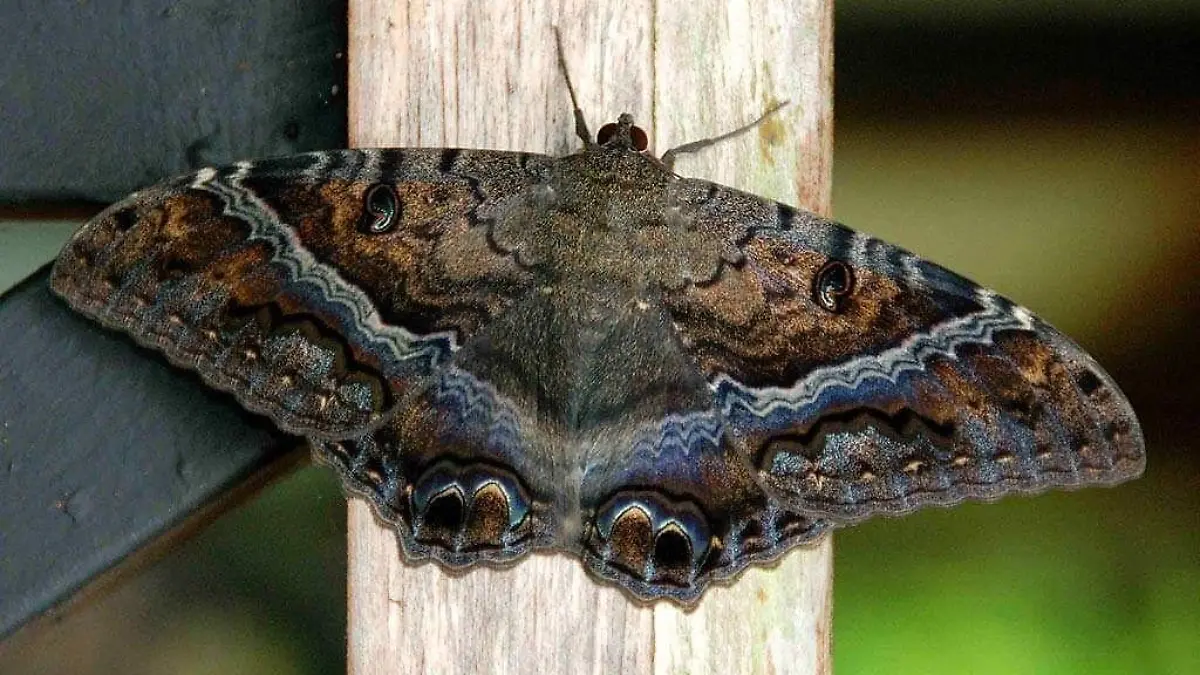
x=668, y=378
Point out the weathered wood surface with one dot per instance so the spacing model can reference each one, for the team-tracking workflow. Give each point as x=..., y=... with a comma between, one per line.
x=484, y=75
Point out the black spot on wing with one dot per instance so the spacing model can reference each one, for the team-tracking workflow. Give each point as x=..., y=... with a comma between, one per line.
x=447, y=160
x=785, y=215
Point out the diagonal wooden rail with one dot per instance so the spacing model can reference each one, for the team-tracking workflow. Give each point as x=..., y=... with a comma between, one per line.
x=483, y=75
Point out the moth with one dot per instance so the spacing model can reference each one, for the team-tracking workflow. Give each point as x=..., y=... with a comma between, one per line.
x=670, y=379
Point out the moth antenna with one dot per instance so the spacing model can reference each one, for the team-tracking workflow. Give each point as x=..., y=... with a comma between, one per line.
x=668, y=157
x=581, y=129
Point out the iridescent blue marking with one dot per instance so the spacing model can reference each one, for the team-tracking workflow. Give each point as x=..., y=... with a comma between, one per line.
x=475, y=408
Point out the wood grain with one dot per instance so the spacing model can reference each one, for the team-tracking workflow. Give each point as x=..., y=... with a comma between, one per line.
x=483, y=75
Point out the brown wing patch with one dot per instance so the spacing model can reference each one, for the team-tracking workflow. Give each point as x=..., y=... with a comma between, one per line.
x=759, y=322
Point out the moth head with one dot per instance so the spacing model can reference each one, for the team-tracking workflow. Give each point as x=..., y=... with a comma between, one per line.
x=623, y=134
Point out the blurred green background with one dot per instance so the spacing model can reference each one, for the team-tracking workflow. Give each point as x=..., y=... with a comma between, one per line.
x=1049, y=151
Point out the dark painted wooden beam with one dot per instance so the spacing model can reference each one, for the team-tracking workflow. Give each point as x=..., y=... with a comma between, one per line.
x=107, y=453
x=98, y=99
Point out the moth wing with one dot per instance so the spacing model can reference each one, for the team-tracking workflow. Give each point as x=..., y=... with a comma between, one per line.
x=862, y=379
x=674, y=508
x=455, y=473
x=319, y=289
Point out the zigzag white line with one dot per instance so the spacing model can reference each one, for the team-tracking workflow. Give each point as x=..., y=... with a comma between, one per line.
x=289, y=251
x=912, y=354
x=680, y=430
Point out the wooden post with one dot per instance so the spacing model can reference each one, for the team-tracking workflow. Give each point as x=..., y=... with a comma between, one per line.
x=483, y=75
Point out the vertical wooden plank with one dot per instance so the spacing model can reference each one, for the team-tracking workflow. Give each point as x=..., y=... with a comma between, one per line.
x=714, y=74
x=467, y=74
